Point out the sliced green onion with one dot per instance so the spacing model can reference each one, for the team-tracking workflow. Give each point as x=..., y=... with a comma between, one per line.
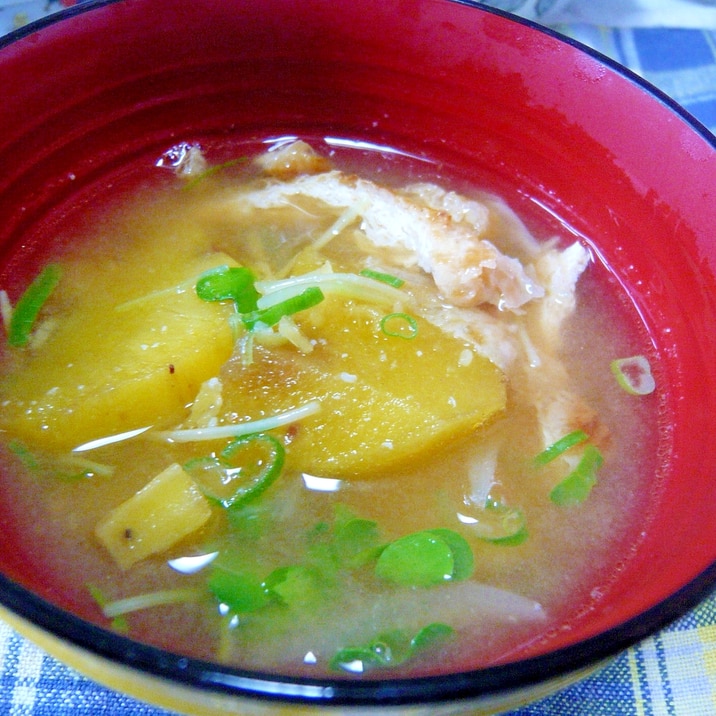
x=356, y=541
x=561, y=446
x=634, y=375
x=431, y=636
x=390, y=649
x=379, y=653
x=27, y=458
x=425, y=558
x=281, y=296
x=240, y=591
x=221, y=432
x=576, y=487
x=268, y=317
x=399, y=325
x=349, y=543
x=497, y=523
x=193, y=179
x=244, y=470
x=416, y=560
x=30, y=304
x=463, y=558
x=293, y=586
x=229, y=283
x=383, y=277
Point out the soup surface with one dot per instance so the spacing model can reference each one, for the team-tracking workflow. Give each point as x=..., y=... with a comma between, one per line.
x=275, y=414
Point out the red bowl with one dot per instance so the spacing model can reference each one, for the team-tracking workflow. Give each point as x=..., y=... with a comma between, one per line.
x=565, y=135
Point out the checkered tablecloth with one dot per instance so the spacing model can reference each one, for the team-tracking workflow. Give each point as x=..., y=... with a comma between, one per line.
x=671, y=674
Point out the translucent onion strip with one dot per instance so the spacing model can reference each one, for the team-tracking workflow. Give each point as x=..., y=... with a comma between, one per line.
x=230, y=431
x=348, y=285
x=111, y=439
x=177, y=289
x=341, y=223
x=5, y=310
x=153, y=599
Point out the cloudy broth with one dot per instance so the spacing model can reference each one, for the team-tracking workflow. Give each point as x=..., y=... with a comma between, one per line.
x=313, y=573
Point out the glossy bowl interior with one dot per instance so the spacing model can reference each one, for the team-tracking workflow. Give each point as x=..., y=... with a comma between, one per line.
x=561, y=133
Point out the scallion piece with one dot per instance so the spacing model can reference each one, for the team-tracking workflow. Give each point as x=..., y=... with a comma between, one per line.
x=399, y=325
x=497, y=523
x=293, y=586
x=390, y=649
x=431, y=636
x=193, y=179
x=463, y=559
x=383, y=277
x=426, y=558
x=26, y=457
x=634, y=375
x=561, y=446
x=240, y=591
x=356, y=541
x=245, y=468
x=416, y=560
x=229, y=283
x=576, y=487
x=30, y=304
x=268, y=317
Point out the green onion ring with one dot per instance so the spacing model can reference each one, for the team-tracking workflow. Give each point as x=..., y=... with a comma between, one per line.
x=559, y=447
x=407, y=333
x=264, y=474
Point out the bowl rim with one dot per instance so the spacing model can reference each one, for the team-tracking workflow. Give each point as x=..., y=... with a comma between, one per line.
x=491, y=681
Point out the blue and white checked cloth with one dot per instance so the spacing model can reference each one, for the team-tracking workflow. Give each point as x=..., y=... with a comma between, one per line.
x=679, y=61
x=672, y=44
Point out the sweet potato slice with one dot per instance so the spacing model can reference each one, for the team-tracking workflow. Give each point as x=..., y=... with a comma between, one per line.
x=106, y=368
x=386, y=399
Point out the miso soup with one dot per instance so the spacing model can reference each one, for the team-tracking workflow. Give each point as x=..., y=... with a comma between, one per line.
x=281, y=415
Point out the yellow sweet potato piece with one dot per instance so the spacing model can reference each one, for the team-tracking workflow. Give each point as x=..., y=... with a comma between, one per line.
x=109, y=368
x=386, y=400
x=167, y=509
